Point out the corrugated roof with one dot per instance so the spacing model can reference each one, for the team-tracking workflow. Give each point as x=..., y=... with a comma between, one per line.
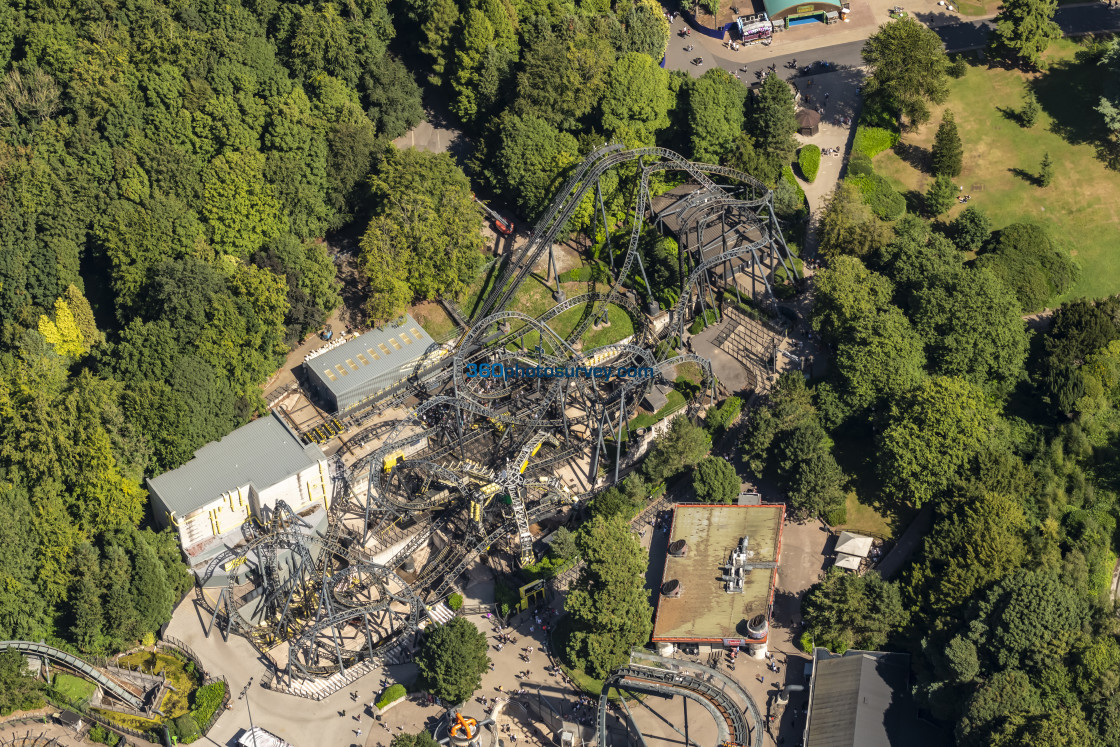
x=369, y=356
x=860, y=700
x=262, y=453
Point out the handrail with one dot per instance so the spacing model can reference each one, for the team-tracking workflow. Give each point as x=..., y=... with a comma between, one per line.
x=41, y=649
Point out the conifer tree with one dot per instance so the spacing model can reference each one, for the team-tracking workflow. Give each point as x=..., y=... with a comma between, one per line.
x=1046, y=170
x=948, y=153
x=87, y=622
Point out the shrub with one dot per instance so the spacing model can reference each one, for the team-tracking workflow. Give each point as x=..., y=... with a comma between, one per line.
x=205, y=701
x=805, y=642
x=809, y=159
x=100, y=734
x=883, y=199
x=185, y=728
x=873, y=140
x=710, y=316
x=836, y=515
x=392, y=693
x=958, y=67
x=1025, y=256
x=859, y=164
x=455, y=602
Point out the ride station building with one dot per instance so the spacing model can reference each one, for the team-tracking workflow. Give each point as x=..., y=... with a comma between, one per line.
x=787, y=13
x=717, y=587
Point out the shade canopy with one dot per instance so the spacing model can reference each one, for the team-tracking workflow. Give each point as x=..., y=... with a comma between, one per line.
x=808, y=118
x=853, y=544
x=848, y=562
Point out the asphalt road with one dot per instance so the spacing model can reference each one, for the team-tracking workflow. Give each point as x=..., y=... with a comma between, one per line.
x=957, y=35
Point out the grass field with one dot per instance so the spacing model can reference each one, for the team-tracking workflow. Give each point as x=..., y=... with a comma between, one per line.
x=73, y=688
x=432, y=317
x=1081, y=205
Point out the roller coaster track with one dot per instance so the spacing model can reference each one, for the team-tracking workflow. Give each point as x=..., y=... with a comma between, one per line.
x=564, y=205
x=730, y=718
x=80, y=665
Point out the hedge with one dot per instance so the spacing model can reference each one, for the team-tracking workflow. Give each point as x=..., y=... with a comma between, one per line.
x=874, y=140
x=809, y=159
x=883, y=199
x=787, y=174
x=206, y=700
x=859, y=164
x=185, y=728
x=392, y=693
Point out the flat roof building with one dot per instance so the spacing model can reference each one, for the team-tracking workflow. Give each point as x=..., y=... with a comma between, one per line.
x=244, y=474
x=367, y=366
x=718, y=582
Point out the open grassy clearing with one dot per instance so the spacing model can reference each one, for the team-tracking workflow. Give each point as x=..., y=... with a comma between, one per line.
x=74, y=689
x=1001, y=158
x=433, y=318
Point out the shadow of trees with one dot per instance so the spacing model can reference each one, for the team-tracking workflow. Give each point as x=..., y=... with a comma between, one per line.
x=1026, y=176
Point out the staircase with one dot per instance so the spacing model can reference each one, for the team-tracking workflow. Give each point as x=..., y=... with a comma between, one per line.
x=524, y=537
x=440, y=614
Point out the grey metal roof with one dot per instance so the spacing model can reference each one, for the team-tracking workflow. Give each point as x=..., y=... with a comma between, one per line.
x=262, y=453
x=861, y=699
x=370, y=357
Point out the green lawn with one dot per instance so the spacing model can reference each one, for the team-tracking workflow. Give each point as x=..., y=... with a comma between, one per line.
x=1000, y=158
x=864, y=519
x=74, y=689
x=433, y=318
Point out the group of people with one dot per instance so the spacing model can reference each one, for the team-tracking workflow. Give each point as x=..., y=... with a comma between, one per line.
x=964, y=198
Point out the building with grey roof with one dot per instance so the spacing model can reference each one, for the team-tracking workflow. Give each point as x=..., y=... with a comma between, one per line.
x=244, y=474
x=367, y=367
x=862, y=699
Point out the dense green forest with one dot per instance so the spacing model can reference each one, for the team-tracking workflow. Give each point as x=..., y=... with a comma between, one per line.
x=165, y=171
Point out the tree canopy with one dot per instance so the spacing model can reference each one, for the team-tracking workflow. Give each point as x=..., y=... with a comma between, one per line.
x=608, y=603
x=715, y=481
x=424, y=240
x=1024, y=29
x=452, y=658
x=909, y=68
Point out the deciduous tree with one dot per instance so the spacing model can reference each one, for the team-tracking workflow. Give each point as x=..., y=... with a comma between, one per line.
x=715, y=481
x=933, y=437
x=608, y=603
x=715, y=114
x=452, y=659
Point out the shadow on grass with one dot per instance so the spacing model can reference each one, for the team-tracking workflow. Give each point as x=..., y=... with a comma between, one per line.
x=917, y=158
x=1026, y=176
x=1011, y=115
x=855, y=450
x=1068, y=92
x=915, y=202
